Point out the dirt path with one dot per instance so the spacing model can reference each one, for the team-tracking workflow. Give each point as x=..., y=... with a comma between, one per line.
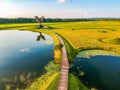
x=63, y=84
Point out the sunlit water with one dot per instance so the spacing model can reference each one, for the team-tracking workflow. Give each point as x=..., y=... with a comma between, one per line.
x=100, y=72
x=23, y=55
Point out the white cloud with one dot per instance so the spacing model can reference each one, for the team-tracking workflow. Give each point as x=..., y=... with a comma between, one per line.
x=25, y=50
x=62, y=1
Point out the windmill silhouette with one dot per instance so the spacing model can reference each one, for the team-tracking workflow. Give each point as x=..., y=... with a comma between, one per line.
x=39, y=20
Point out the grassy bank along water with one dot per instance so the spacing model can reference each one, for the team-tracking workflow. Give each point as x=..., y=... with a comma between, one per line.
x=49, y=78
x=71, y=52
x=89, y=53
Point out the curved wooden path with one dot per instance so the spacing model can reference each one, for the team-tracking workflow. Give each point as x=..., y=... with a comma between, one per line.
x=63, y=84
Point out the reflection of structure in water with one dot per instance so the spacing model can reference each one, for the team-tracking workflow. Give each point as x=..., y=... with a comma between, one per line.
x=39, y=37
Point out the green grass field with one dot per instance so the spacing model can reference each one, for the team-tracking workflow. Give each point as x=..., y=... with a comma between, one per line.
x=75, y=83
x=102, y=35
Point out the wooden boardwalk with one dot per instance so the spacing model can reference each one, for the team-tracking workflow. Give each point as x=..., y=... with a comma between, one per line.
x=63, y=84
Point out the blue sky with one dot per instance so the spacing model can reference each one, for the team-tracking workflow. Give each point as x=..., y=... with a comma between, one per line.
x=60, y=8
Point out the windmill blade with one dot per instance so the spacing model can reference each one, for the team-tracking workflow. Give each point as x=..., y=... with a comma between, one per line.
x=42, y=18
x=37, y=19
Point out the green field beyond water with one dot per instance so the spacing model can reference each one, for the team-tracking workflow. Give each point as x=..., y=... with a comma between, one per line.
x=90, y=53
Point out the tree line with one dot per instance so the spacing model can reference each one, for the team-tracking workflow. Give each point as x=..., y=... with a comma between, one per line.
x=32, y=20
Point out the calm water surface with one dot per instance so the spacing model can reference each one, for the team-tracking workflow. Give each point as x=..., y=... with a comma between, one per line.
x=100, y=72
x=23, y=55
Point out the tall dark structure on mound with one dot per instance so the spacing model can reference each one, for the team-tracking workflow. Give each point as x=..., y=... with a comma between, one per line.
x=39, y=20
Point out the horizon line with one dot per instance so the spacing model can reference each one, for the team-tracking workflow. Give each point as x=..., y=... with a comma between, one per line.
x=63, y=17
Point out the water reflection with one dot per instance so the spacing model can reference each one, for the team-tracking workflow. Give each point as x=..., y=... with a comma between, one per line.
x=18, y=81
x=22, y=59
x=40, y=37
x=25, y=50
x=101, y=72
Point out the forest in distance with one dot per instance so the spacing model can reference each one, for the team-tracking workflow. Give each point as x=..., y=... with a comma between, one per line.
x=32, y=20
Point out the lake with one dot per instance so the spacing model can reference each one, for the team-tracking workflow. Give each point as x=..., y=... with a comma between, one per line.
x=98, y=71
x=23, y=55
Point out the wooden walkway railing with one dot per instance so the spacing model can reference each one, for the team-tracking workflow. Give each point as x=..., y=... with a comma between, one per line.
x=63, y=84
